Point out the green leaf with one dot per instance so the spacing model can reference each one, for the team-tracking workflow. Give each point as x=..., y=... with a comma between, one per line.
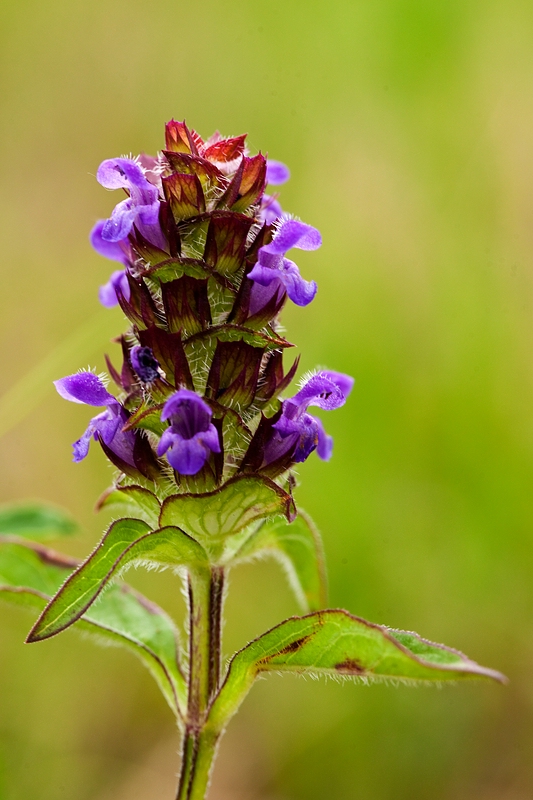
x=299, y=548
x=35, y=521
x=334, y=642
x=236, y=437
x=241, y=501
x=169, y=269
x=127, y=541
x=134, y=501
x=30, y=574
x=147, y=418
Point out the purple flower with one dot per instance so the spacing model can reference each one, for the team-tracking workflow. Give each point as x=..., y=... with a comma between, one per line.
x=277, y=172
x=87, y=388
x=116, y=251
x=113, y=250
x=144, y=363
x=275, y=271
x=140, y=208
x=297, y=431
x=117, y=283
x=191, y=437
x=270, y=210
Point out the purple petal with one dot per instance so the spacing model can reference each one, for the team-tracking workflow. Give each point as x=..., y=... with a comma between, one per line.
x=325, y=442
x=210, y=439
x=107, y=423
x=188, y=411
x=84, y=387
x=263, y=275
x=148, y=213
x=277, y=172
x=320, y=391
x=343, y=381
x=153, y=233
x=80, y=448
x=261, y=295
x=309, y=433
x=111, y=250
x=278, y=446
x=108, y=293
x=120, y=173
x=270, y=210
x=293, y=233
x=121, y=221
x=299, y=290
x=167, y=440
x=187, y=456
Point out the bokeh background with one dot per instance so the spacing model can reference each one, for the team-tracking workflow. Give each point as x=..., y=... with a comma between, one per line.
x=408, y=126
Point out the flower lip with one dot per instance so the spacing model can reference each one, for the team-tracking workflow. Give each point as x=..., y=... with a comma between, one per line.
x=86, y=388
x=120, y=173
x=293, y=233
x=108, y=293
x=327, y=389
x=186, y=403
x=103, y=247
x=191, y=437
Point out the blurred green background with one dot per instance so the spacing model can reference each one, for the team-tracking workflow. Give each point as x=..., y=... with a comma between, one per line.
x=408, y=126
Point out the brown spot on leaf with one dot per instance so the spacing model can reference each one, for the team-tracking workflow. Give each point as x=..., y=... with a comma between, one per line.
x=350, y=667
x=292, y=647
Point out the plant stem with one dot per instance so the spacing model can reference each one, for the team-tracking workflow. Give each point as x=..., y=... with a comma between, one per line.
x=206, y=596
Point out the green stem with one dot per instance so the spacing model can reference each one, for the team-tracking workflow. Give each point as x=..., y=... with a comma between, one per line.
x=206, y=595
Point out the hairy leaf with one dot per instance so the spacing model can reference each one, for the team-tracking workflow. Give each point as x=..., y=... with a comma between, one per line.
x=127, y=541
x=31, y=573
x=132, y=500
x=241, y=501
x=35, y=521
x=299, y=548
x=336, y=643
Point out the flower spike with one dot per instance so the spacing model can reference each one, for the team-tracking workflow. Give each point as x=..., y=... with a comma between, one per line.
x=204, y=276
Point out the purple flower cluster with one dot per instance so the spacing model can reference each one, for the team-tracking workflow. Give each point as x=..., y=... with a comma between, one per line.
x=204, y=273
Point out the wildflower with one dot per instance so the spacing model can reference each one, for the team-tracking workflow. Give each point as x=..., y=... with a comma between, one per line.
x=88, y=388
x=141, y=208
x=191, y=437
x=277, y=172
x=299, y=433
x=117, y=284
x=276, y=272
